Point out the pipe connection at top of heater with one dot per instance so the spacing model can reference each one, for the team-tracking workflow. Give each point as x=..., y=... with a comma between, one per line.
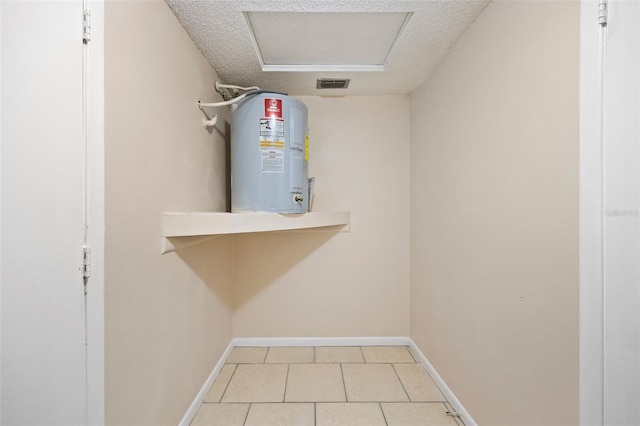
x=229, y=98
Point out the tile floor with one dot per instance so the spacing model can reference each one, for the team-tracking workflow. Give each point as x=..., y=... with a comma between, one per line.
x=322, y=386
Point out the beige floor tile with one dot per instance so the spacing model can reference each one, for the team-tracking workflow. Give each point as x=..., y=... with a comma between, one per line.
x=372, y=383
x=339, y=354
x=221, y=415
x=289, y=355
x=315, y=383
x=257, y=383
x=220, y=384
x=349, y=414
x=417, y=413
x=245, y=355
x=418, y=384
x=379, y=354
x=281, y=415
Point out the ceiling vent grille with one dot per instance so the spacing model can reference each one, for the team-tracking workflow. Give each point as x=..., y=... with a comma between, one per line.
x=332, y=83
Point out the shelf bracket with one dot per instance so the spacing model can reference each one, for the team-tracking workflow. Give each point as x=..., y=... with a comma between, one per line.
x=171, y=244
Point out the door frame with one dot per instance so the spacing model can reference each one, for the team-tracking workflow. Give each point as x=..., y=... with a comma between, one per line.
x=591, y=217
x=593, y=281
x=96, y=211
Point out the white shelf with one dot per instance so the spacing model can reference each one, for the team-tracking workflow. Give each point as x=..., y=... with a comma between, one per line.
x=186, y=229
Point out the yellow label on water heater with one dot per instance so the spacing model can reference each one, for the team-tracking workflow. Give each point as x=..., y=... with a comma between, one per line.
x=306, y=147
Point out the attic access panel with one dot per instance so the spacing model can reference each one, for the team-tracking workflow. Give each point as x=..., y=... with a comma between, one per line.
x=331, y=41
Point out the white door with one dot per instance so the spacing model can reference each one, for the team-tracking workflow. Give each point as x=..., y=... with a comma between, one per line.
x=621, y=223
x=42, y=214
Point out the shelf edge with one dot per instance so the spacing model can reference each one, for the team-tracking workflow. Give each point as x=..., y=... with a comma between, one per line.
x=202, y=226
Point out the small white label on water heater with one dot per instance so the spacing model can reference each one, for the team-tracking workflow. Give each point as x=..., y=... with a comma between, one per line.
x=272, y=144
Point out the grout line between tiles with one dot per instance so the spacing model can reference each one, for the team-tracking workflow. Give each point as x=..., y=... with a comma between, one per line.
x=246, y=416
x=364, y=360
x=273, y=403
x=414, y=356
x=401, y=383
x=344, y=384
x=227, y=386
x=408, y=349
x=286, y=384
x=315, y=414
x=266, y=355
x=383, y=415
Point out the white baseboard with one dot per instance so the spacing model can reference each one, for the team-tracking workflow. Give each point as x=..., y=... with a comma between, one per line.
x=328, y=341
x=446, y=391
x=197, y=402
x=321, y=341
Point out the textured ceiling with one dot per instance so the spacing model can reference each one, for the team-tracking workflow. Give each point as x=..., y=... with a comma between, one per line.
x=219, y=29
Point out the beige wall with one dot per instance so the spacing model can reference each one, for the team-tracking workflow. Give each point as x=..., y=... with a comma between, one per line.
x=344, y=284
x=168, y=318
x=494, y=215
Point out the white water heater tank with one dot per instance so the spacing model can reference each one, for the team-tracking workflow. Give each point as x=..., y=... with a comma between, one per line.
x=269, y=155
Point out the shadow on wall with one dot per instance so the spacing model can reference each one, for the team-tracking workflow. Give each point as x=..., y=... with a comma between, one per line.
x=261, y=259
x=212, y=261
x=222, y=128
x=238, y=267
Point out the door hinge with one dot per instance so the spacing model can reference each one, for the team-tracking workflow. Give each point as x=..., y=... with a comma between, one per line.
x=86, y=261
x=603, y=11
x=86, y=26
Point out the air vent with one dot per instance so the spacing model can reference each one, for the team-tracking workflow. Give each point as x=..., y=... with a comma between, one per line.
x=332, y=83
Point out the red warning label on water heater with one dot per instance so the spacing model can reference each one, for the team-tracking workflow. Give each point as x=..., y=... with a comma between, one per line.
x=273, y=107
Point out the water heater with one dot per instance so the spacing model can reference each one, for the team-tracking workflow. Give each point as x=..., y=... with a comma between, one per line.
x=269, y=155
